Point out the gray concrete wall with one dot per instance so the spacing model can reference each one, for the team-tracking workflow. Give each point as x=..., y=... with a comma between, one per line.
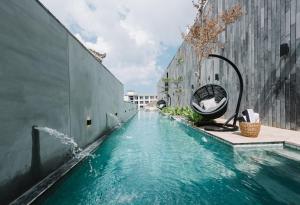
x=47, y=78
x=129, y=110
x=272, y=83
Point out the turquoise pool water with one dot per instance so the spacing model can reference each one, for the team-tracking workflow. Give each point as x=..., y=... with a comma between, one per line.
x=153, y=160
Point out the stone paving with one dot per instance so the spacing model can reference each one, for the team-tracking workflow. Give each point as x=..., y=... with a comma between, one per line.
x=267, y=135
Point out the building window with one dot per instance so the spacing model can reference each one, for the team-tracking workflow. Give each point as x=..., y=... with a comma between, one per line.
x=136, y=102
x=146, y=97
x=147, y=102
x=151, y=97
x=141, y=97
x=141, y=102
x=136, y=97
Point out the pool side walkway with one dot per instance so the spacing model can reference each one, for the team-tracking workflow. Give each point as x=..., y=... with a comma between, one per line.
x=268, y=136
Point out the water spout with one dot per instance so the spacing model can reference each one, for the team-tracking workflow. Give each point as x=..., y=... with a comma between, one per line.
x=35, y=167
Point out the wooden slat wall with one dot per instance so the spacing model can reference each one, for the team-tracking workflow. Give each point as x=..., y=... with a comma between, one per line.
x=297, y=67
x=272, y=83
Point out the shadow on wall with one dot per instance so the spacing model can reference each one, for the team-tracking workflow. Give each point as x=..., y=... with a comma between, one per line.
x=278, y=86
x=23, y=181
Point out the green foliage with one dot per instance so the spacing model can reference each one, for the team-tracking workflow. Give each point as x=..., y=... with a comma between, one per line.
x=180, y=61
x=166, y=80
x=173, y=80
x=177, y=87
x=186, y=112
x=178, y=90
x=170, y=110
x=177, y=80
x=192, y=116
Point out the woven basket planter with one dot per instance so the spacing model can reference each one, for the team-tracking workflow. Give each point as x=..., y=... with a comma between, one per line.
x=250, y=129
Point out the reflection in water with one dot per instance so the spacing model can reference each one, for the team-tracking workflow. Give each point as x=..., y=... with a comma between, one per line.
x=153, y=160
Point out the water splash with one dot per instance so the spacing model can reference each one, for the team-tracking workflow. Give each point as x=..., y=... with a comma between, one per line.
x=66, y=140
x=92, y=171
x=128, y=137
x=204, y=139
x=77, y=152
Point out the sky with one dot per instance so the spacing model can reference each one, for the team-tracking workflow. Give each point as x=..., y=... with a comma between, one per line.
x=140, y=37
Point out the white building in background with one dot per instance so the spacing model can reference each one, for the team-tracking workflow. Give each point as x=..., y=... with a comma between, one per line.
x=140, y=99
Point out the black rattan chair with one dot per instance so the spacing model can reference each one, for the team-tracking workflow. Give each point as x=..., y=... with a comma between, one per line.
x=208, y=92
x=161, y=104
x=220, y=96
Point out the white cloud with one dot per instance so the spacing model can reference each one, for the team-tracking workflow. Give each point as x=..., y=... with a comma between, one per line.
x=133, y=33
x=138, y=35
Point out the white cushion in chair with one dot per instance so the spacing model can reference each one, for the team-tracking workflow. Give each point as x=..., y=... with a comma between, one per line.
x=217, y=105
x=209, y=103
x=201, y=109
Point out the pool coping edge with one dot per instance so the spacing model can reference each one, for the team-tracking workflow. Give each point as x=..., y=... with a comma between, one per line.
x=245, y=145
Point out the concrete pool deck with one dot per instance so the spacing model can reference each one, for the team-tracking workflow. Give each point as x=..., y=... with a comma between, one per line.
x=267, y=136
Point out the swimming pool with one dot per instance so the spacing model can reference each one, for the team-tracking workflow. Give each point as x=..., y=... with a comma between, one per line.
x=154, y=160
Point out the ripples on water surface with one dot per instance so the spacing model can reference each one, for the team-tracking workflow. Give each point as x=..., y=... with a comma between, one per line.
x=153, y=160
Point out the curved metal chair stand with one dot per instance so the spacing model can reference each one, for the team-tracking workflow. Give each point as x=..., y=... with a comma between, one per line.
x=219, y=92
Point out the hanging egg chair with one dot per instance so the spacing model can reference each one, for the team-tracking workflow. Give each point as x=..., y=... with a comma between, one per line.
x=211, y=101
x=161, y=104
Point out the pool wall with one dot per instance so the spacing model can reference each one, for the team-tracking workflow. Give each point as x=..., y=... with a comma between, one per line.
x=47, y=78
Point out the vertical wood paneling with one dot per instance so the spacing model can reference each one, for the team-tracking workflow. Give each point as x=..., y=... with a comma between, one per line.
x=274, y=43
x=287, y=66
x=293, y=66
x=282, y=65
x=256, y=55
x=268, y=68
x=259, y=58
x=272, y=83
x=297, y=65
x=251, y=17
x=277, y=51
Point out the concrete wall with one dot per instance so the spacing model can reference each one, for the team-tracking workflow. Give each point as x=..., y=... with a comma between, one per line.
x=129, y=109
x=272, y=83
x=47, y=78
